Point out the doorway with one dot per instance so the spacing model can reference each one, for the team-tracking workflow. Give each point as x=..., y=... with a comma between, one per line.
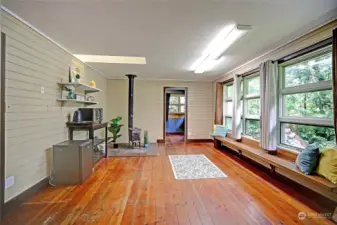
x=175, y=114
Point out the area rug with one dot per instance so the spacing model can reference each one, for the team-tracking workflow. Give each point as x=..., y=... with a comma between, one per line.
x=125, y=151
x=186, y=167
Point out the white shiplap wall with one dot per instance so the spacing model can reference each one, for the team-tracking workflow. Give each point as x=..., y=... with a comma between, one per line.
x=35, y=121
x=148, y=106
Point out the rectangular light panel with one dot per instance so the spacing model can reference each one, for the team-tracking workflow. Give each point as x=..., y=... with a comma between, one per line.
x=111, y=59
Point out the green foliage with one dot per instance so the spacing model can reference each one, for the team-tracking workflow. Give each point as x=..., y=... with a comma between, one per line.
x=146, y=137
x=253, y=106
x=321, y=136
x=173, y=108
x=174, y=99
x=253, y=85
x=115, y=128
x=309, y=71
x=253, y=128
x=312, y=104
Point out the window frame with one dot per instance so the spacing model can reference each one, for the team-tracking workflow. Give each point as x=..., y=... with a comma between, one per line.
x=179, y=104
x=227, y=99
x=246, y=97
x=302, y=88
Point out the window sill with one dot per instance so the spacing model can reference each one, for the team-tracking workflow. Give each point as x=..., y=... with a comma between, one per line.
x=251, y=138
x=284, y=151
x=288, y=149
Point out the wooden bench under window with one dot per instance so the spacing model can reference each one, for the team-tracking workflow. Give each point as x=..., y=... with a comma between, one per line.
x=280, y=165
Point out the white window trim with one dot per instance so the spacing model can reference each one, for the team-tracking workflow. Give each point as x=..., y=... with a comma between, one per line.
x=227, y=99
x=307, y=121
x=245, y=98
x=312, y=87
x=320, y=86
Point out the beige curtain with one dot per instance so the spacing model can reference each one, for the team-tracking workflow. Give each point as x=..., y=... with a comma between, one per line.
x=268, y=93
x=236, y=119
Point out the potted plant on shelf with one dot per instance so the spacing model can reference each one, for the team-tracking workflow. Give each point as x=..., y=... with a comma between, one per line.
x=146, y=139
x=115, y=128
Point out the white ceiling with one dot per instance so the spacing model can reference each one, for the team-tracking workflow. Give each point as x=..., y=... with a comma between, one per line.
x=171, y=34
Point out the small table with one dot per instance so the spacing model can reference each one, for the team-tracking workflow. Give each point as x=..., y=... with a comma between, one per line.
x=91, y=127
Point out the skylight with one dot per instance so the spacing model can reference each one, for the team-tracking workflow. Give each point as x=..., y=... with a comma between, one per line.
x=111, y=59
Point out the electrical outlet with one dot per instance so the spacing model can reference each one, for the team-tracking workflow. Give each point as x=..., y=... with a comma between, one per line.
x=42, y=90
x=9, y=182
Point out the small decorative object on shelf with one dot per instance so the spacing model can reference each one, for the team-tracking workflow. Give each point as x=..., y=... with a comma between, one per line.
x=78, y=78
x=114, y=128
x=71, y=93
x=72, y=73
x=80, y=97
x=90, y=98
x=69, y=117
x=64, y=93
x=146, y=139
x=92, y=83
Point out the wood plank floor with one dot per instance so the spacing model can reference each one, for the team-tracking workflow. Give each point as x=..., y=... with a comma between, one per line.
x=142, y=190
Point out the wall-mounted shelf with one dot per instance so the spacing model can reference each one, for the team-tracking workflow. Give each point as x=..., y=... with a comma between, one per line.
x=84, y=87
x=76, y=101
x=77, y=86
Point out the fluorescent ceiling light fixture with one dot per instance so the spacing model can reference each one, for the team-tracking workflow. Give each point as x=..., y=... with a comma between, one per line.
x=111, y=59
x=228, y=36
x=207, y=65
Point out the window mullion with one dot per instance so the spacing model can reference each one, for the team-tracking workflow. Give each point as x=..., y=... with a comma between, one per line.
x=252, y=117
x=252, y=97
x=320, y=86
x=307, y=121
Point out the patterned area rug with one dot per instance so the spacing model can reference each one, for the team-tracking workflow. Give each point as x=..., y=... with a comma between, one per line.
x=186, y=167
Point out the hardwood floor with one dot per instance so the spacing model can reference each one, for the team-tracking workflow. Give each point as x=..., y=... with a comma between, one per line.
x=142, y=190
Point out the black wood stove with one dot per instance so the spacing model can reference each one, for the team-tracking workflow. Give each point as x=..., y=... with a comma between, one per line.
x=134, y=133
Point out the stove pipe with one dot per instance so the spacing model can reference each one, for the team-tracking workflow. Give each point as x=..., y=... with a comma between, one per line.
x=131, y=89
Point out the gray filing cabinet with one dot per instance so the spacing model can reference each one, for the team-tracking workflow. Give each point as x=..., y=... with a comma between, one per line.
x=72, y=162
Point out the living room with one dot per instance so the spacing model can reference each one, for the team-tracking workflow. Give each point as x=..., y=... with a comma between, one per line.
x=226, y=112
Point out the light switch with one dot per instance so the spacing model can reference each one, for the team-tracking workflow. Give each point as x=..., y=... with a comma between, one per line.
x=42, y=90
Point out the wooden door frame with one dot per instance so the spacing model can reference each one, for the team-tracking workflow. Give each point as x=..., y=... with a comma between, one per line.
x=185, y=89
x=2, y=124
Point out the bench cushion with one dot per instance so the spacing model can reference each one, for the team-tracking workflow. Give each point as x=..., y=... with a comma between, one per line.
x=328, y=165
x=307, y=160
x=219, y=131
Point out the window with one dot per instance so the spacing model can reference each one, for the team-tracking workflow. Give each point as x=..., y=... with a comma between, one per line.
x=251, y=106
x=177, y=104
x=228, y=105
x=306, y=109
